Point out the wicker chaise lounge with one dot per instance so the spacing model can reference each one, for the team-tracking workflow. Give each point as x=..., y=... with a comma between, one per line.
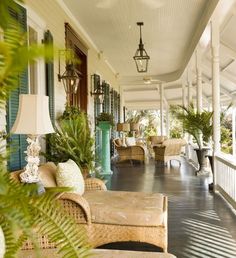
x=112, y=216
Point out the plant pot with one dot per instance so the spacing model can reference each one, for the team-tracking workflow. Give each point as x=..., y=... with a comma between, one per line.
x=202, y=160
x=2, y=244
x=85, y=172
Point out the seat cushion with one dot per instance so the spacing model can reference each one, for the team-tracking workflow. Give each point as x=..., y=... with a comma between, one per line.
x=126, y=208
x=69, y=175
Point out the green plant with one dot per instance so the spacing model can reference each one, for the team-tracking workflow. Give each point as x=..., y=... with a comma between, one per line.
x=105, y=117
x=197, y=124
x=70, y=112
x=22, y=210
x=72, y=140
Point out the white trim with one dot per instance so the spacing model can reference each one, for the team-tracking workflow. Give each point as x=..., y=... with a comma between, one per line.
x=37, y=23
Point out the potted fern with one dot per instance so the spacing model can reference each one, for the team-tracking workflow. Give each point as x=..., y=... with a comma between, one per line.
x=72, y=140
x=199, y=125
x=22, y=210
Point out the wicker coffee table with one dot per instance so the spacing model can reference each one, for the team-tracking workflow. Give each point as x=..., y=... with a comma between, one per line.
x=99, y=253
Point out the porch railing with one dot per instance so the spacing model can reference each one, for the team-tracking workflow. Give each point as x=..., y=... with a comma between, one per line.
x=225, y=178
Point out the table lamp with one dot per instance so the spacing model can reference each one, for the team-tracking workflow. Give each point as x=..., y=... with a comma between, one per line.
x=134, y=127
x=32, y=119
x=123, y=127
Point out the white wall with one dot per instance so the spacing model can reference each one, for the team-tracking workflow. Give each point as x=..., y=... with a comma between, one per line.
x=54, y=17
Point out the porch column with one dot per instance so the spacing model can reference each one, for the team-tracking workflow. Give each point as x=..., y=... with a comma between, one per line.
x=189, y=76
x=183, y=93
x=199, y=79
x=233, y=130
x=122, y=104
x=215, y=83
x=161, y=90
x=167, y=121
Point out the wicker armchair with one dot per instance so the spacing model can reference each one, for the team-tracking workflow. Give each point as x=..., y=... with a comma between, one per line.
x=136, y=152
x=113, y=216
x=168, y=150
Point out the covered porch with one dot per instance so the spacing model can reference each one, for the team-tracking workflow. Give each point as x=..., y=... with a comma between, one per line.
x=93, y=97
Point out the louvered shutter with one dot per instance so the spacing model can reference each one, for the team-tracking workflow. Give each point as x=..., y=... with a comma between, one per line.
x=49, y=69
x=97, y=111
x=17, y=143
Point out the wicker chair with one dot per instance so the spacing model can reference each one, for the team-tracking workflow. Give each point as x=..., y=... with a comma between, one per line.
x=112, y=216
x=169, y=149
x=136, y=152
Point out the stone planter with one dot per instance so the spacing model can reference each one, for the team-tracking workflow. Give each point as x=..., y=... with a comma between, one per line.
x=202, y=160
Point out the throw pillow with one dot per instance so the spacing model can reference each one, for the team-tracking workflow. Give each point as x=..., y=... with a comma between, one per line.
x=69, y=175
x=47, y=174
x=130, y=141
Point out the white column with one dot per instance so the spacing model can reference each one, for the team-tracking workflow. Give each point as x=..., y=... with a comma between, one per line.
x=183, y=93
x=233, y=130
x=161, y=90
x=121, y=104
x=199, y=78
x=167, y=121
x=189, y=76
x=215, y=83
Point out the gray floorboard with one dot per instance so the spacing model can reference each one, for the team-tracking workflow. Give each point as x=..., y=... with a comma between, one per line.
x=200, y=223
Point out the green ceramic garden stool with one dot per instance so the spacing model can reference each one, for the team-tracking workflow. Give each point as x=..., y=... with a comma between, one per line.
x=106, y=161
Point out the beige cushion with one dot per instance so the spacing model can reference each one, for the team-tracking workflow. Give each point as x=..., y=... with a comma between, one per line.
x=126, y=208
x=69, y=175
x=47, y=174
x=130, y=141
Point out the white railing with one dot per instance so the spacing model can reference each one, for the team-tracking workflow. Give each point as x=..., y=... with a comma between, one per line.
x=225, y=178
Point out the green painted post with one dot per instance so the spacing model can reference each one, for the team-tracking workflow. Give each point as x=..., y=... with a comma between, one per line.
x=106, y=161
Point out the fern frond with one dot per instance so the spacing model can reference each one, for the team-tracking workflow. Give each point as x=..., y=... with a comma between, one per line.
x=71, y=240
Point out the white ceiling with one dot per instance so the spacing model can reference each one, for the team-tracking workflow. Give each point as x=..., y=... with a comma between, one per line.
x=172, y=29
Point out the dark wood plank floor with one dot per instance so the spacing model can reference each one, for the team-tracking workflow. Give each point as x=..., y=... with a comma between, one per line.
x=200, y=223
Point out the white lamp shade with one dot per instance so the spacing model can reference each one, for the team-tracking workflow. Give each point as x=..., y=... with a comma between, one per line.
x=33, y=116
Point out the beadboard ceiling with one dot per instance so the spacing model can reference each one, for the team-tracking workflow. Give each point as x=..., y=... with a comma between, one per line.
x=171, y=31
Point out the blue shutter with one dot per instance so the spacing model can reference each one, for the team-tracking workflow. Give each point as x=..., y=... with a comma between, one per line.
x=97, y=110
x=17, y=143
x=49, y=69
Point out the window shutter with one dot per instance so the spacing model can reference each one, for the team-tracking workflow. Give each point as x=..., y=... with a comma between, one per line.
x=49, y=69
x=17, y=143
x=106, y=104
x=97, y=111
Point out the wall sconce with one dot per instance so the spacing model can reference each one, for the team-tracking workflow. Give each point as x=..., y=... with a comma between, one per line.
x=71, y=77
x=98, y=92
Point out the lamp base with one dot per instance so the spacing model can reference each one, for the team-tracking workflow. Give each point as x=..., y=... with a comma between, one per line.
x=30, y=175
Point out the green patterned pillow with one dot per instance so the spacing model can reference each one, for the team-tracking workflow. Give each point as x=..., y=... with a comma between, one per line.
x=69, y=175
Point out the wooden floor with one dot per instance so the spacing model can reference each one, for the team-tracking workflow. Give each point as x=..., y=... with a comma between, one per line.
x=200, y=223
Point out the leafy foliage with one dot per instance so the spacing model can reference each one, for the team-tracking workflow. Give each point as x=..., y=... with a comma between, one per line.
x=22, y=211
x=23, y=214
x=72, y=140
x=197, y=124
x=105, y=117
x=148, y=120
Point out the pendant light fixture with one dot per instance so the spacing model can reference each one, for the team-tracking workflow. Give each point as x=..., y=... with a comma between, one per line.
x=141, y=57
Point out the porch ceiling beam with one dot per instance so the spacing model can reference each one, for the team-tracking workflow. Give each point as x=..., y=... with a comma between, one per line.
x=222, y=88
x=231, y=52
